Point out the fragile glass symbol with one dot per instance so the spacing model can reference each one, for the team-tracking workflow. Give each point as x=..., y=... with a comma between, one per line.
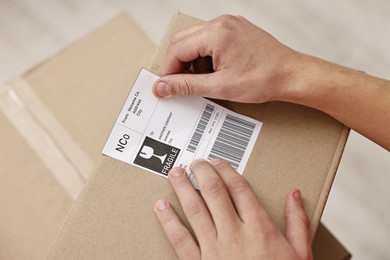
x=147, y=152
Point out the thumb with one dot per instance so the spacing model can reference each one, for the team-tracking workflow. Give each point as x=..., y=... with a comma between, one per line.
x=184, y=85
x=297, y=225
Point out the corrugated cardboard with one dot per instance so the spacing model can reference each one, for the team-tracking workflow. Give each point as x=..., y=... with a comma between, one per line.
x=54, y=121
x=114, y=218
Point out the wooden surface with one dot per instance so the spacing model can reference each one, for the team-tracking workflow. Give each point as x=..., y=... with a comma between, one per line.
x=352, y=33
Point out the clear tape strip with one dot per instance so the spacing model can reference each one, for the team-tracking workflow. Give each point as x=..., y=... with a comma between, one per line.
x=45, y=135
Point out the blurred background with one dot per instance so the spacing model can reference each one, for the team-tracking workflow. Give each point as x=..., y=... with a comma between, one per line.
x=353, y=33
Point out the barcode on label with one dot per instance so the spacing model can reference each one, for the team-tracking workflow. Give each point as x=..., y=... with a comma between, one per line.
x=232, y=140
x=200, y=128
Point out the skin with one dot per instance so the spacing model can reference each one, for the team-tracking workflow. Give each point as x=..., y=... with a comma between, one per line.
x=243, y=56
x=228, y=219
x=230, y=58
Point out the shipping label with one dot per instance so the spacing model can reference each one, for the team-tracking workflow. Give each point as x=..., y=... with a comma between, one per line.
x=159, y=134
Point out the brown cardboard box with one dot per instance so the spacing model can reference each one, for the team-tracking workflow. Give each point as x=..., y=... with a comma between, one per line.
x=54, y=121
x=114, y=219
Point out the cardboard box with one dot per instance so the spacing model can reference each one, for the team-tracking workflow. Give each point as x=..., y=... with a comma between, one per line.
x=54, y=121
x=114, y=219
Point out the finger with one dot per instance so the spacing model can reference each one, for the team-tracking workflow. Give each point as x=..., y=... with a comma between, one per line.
x=193, y=206
x=244, y=198
x=178, y=235
x=179, y=35
x=204, y=85
x=216, y=196
x=297, y=224
x=186, y=50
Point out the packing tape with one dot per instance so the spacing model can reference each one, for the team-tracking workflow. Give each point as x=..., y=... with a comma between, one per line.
x=45, y=135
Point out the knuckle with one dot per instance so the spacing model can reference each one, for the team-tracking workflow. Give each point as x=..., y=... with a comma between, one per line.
x=220, y=27
x=240, y=185
x=185, y=88
x=212, y=187
x=222, y=164
x=197, y=163
x=179, y=239
x=193, y=209
x=301, y=217
x=224, y=30
x=305, y=219
x=225, y=22
x=228, y=18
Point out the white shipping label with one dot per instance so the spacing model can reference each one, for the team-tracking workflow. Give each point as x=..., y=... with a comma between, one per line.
x=159, y=134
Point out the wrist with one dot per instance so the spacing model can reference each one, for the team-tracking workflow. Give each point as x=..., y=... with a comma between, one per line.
x=325, y=86
x=290, y=83
x=313, y=82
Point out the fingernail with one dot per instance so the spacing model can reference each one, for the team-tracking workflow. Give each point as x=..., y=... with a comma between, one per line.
x=163, y=89
x=215, y=162
x=161, y=205
x=176, y=172
x=297, y=196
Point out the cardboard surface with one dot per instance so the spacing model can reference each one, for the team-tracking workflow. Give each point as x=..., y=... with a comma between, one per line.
x=63, y=107
x=114, y=218
x=86, y=84
x=33, y=204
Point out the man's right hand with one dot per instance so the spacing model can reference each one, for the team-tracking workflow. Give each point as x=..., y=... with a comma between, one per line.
x=231, y=59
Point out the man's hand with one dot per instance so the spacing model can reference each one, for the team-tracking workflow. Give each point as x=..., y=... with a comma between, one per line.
x=231, y=59
x=228, y=220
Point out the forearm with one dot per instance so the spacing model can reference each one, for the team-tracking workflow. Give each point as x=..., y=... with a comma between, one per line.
x=244, y=56
x=358, y=100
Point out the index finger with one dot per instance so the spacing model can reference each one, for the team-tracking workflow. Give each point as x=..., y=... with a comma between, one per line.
x=244, y=198
x=177, y=36
x=188, y=48
x=216, y=197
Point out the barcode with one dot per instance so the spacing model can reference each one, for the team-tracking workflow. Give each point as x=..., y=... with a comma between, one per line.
x=232, y=140
x=200, y=128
